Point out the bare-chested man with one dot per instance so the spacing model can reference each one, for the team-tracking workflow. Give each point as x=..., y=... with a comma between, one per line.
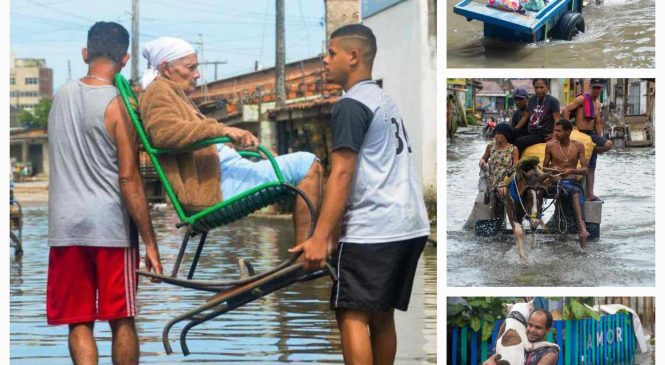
x=563, y=154
x=587, y=118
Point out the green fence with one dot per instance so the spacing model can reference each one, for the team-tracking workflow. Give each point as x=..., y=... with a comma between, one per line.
x=611, y=340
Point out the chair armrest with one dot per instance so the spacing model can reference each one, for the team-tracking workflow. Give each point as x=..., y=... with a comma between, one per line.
x=193, y=147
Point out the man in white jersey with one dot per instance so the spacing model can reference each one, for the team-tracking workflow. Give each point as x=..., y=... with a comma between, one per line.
x=373, y=210
x=95, y=187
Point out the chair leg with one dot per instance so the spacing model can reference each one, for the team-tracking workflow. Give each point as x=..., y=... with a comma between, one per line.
x=197, y=255
x=181, y=253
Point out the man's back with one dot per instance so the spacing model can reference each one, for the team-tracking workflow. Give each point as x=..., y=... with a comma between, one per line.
x=85, y=206
x=386, y=190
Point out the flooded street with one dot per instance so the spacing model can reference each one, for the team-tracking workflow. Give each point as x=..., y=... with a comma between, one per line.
x=627, y=41
x=294, y=325
x=623, y=256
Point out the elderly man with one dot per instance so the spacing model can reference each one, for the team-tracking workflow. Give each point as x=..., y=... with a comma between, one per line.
x=537, y=327
x=206, y=176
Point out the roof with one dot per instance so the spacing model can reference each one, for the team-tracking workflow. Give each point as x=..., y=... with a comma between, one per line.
x=523, y=83
x=307, y=104
x=490, y=88
x=320, y=106
x=30, y=134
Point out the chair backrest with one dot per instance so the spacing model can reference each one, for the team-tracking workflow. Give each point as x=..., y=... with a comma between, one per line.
x=131, y=104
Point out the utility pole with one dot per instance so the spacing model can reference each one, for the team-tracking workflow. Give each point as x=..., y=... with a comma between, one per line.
x=280, y=52
x=204, y=86
x=135, y=40
x=69, y=70
x=214, y=63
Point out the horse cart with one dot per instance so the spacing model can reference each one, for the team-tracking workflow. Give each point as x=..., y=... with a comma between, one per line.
x=488, y=217
x=560, y=19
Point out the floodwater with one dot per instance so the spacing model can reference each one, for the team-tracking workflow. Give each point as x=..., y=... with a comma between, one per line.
x=627, y=41
x=624, y=255
x=294, y=325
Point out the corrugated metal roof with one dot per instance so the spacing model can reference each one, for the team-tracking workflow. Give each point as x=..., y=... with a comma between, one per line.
x=490, y=88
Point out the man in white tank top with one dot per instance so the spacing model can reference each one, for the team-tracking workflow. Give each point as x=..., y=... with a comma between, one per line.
x=373, y=212
x=95, y=187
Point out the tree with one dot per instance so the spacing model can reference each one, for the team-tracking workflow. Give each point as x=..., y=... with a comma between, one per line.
x=38, y=117
x=25, y=118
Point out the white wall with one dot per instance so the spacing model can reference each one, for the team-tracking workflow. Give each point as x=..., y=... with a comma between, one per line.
x=406, y=62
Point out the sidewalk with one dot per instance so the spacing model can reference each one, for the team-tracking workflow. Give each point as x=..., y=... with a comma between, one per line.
x=31, y=191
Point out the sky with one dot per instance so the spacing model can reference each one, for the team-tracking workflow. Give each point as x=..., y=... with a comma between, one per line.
x=238, y=32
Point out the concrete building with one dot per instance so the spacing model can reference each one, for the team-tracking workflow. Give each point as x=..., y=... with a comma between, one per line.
x=248, y=101
x=30, y=146
x=29, y=82
x=405, y=65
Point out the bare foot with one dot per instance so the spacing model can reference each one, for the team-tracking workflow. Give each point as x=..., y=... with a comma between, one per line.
x=583, y=234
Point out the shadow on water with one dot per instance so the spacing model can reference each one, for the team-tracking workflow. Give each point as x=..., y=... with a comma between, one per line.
x=627, y=41
x=291, y=325
x=623, y=256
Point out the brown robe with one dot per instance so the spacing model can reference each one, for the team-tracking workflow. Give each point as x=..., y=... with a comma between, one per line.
x=171, y=120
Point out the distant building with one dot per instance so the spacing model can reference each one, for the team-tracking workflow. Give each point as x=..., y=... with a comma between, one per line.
x=13, y=117
x=248, y=101
x=29, y=82
x=30, y=146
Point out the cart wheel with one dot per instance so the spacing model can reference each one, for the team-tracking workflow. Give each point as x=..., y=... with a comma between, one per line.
x=569, y=25
x=594, y=230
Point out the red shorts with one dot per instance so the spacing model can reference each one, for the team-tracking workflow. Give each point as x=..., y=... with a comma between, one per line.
x=91, y=283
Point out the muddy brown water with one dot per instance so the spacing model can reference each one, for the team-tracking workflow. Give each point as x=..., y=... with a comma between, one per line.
x=294, y=325
x=619, y=33
x=624, y=255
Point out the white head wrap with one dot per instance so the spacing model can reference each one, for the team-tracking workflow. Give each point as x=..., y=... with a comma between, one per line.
x=160, y=50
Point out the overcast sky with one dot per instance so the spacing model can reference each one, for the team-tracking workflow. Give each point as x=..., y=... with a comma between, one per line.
x=239, y=32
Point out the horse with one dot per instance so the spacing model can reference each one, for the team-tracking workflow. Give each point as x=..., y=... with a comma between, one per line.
x=527, y=189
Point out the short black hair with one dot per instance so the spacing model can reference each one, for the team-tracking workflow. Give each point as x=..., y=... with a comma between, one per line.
x=565, y=124
x=362, y=33
x=546, y=81
x=107, y=39
x=548, y=315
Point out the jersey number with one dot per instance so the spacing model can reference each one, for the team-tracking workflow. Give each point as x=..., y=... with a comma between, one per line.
x=401, y=141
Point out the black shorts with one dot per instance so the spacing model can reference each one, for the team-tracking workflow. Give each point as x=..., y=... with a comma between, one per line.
x=376, y=276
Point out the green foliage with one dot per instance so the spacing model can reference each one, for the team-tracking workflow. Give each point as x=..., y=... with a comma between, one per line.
x=38, y=118
x=25, y=117
x=574, y=308
x=471, y=119
x=479, y=313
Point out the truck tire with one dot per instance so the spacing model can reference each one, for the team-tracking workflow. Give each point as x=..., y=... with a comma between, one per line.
x=570, y=24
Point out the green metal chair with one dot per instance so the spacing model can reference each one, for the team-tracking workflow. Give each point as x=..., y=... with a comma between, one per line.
x=250, y=286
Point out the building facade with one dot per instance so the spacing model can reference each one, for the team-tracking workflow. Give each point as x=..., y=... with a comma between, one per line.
x=406, y=67
x=29, y=82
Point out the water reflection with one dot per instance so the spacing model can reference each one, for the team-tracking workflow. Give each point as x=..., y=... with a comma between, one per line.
x=291, y=325
x=623, y=256
x=626, y=41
